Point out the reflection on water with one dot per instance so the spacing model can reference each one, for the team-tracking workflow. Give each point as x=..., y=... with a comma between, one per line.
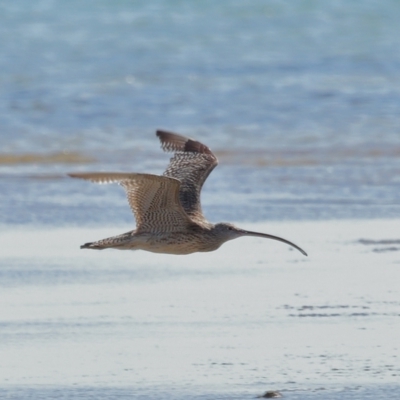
x=235, y=323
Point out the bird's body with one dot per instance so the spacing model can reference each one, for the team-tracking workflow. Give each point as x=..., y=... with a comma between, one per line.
x=200, y=239
x=167, y=208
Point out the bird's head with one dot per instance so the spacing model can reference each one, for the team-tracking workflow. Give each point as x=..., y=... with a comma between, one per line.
x=226, y=231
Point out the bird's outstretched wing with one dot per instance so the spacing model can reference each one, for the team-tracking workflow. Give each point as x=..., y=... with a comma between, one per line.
x=154, y=199
x=191, y=165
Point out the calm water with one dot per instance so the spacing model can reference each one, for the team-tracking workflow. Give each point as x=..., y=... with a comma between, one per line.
x=299, y=100
x=251, y=317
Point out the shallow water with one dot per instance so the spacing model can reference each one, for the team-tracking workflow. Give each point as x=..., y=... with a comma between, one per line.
x=252, y=317
x=300, y=103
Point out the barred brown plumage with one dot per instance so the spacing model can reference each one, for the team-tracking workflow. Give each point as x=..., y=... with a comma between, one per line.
x=167, y=208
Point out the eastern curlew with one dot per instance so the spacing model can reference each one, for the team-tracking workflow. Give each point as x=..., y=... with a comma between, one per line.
x=167, y=208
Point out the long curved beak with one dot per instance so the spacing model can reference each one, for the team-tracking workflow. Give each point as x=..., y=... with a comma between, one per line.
x=266, y=236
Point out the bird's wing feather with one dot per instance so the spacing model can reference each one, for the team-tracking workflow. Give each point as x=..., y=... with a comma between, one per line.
x=191, y=165
x=153, y=199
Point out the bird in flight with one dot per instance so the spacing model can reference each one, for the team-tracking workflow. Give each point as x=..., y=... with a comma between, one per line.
x=167, y=208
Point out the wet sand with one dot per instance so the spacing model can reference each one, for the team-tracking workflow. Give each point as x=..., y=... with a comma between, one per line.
x=252, y=317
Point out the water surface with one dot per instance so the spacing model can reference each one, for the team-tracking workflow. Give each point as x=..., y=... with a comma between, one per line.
x=300, y=103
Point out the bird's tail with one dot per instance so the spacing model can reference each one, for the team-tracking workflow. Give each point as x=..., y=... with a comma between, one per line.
x=93, y=245
x=116, y=242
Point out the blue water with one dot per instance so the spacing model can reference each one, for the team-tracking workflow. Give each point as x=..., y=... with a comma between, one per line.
x=283, y=73
x=299, y=100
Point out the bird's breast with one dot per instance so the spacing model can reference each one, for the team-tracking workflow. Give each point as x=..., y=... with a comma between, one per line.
x=178, y=243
